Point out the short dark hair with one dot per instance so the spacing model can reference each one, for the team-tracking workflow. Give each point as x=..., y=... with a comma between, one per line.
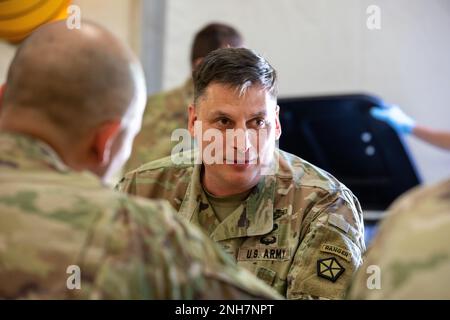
x=214, y=36
x=236, y=67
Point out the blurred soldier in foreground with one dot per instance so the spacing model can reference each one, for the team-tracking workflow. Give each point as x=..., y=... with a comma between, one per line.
x=73, y=102
x=290, y=223
x=410, y=254
x=167, y=111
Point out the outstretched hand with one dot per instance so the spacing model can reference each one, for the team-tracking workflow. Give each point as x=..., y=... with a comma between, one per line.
x=395, y=117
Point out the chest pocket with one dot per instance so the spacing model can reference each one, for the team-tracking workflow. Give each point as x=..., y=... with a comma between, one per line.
x=266, y=275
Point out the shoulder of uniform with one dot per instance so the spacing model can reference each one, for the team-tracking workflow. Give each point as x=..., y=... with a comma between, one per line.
x=160, y=217
x=182, y=162
x=140, y=205
x=421, y=200
x=305, y=174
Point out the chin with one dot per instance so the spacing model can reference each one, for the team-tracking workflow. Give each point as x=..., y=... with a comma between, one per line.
x=241, y=176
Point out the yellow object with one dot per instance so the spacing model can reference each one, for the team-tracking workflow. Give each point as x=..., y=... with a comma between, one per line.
x=18, y=18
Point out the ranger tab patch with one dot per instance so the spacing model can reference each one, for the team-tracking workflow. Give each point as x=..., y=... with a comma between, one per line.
x=329, y=248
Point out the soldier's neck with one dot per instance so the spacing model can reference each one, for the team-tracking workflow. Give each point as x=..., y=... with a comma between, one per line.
x=219, y=188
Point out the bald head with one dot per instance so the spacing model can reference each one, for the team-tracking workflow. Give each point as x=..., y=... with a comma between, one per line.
x=76, y=78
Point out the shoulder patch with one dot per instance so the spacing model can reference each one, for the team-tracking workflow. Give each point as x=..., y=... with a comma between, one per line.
x=339, y=222
x=329, y=269
x=343, y=253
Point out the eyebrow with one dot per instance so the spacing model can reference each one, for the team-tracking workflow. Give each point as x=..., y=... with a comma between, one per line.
x=217, y=114
x=258, y=114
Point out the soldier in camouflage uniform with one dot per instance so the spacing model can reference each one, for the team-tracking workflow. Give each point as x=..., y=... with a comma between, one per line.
x=167, y=111
x=411, y=249
x=297, y=228
x=63, y=234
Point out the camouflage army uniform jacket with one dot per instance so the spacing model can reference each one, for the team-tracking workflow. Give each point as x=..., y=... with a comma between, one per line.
x=54, y=220
x=301, y=231
x=165, y=112
x=410, y=256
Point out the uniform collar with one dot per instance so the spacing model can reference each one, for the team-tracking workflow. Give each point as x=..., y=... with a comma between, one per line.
x=258, y=208
x=19, y=151
x=25, y=157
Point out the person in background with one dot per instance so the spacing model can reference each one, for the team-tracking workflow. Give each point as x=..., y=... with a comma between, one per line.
x=404, y=124
x=73, y=103
x=167, y=111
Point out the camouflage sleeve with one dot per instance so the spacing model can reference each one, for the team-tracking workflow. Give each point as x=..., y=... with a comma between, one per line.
x=410, y=256
x=358, y=288
x=331, y=249
x=167, y=258
x=156, y=183
x=142, y=185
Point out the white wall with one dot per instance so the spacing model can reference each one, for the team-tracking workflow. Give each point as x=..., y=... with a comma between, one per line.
x=121, y=17
x=324, y=46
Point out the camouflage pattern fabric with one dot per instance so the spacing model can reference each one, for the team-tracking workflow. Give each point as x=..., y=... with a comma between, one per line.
x=165, y=112
x=125, y=247
x=411, y=249
x=300, y=230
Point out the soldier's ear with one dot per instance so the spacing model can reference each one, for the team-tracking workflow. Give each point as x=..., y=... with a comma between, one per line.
x=192, y=118
x=277, y=123
x=104, y=140
x=196, y=63
x=2, y=91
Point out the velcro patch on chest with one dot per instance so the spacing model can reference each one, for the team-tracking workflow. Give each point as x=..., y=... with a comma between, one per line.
x=329, y=248
x=260, y=253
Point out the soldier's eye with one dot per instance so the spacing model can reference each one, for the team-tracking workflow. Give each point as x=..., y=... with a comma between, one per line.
x=259, y=123
x=224, y=122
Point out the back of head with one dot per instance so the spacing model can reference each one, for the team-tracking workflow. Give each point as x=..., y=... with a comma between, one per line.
x=74, y=78
x=212, y=37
